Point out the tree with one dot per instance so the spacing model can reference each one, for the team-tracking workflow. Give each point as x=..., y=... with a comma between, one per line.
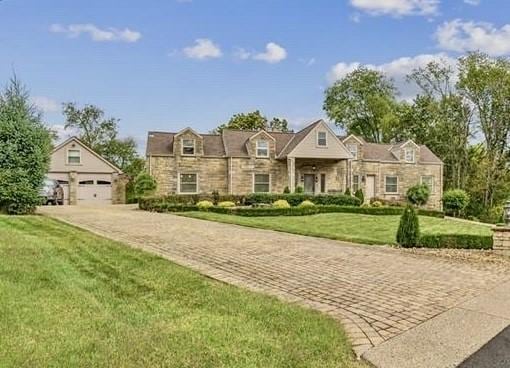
x=418, y=194
x=408, y=233
x=254, y=121
x=24, y=151
x=144, y=184
x=455, y=201
x=363, y=103
x=485, y=82
x=100, y=134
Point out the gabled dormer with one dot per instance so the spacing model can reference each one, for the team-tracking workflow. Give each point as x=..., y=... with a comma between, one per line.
x=261, y=145
x=354, y=145
x=188, y=143
x=407, y=152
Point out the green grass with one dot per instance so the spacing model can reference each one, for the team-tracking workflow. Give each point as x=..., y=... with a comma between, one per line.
x=69, y=298
x=357, y=228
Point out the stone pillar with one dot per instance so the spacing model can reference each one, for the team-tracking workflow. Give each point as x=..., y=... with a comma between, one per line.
x=73, y=188
x=291, y=172
x=501, y=239
x=119, y=183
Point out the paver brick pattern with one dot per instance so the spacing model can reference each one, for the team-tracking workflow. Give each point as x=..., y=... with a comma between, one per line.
x=376, y=292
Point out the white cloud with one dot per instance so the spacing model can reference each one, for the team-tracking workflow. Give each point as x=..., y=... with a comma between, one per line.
x=97, y=34
x=397, y=7
x=274, y=54
x=472, y=2
x=242, y=54
x=397, y=70
x=45, y=104
x=463, y=36
x=203, y=49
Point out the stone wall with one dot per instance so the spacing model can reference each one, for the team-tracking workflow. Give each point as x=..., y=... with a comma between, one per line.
x=501, y=238
x=409, y=174
x=243, y=170
x=119, y=183
x=335, y=171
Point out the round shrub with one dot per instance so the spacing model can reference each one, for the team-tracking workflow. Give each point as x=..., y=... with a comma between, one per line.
x=455, y=201
x=144, y=184
x=299, y=189
x=408, y=234
x=359, y=194
x=282, y=203
x=376, y=204
x=348, y=192
x=306, y=204
x=204, y=205
x=418, y=194
x=226, y=204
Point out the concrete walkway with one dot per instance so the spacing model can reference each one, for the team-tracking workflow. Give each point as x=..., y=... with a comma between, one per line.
x=386, y=298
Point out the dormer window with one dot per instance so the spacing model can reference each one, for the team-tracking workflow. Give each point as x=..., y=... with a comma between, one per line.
x=353, y=149
x=262, y=148
x=322, y=139
x=188, y=147
x=409, y=155
x=74, y=157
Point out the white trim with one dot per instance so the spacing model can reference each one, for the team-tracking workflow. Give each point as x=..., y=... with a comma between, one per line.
x=385, y=185
x=253, y=181
x=179, y=182
x=406, y=150
x=257, y=148
x=432, y=184
x=67, y=157
x=355, y=157
x=185, y=130
x=262, y=132
x=352, y=136
x=194, y=147
x=317, y=138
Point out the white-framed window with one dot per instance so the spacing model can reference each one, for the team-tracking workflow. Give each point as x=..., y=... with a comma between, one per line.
x=409, y=154
x=353, y=149
x=188, y=147
x=261, y=183
x=355, y=182
x=322, y=138
x=188, y=183
x=391, y=184
x=262, y=148
x=74, y=157
x=428, y=180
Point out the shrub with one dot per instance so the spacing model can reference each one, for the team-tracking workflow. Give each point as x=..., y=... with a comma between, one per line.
x=456, y=241
x=348, y=192
x=226, y=204
x=455, y=201
x=408, y=234
x=286, y=190
x=418, y=194
x=359, y=194
x=25, y=148
x=144, y=184
x=376, y=204
x=204, y=205
x=281, y=203
x=215, y=196
x=299, y=189
x=306, y=203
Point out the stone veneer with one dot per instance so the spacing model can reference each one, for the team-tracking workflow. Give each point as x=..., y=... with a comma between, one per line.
x=501, y=238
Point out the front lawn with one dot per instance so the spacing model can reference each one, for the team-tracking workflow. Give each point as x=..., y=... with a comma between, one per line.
x=69, y=298
x=358, y=228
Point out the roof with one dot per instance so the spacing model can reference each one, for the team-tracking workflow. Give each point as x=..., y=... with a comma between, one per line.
x=233, y=143
x=94, y=153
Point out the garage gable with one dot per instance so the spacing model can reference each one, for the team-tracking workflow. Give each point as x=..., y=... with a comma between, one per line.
x=73, y=155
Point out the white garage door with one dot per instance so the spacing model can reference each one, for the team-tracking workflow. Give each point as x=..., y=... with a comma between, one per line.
x=94, y=189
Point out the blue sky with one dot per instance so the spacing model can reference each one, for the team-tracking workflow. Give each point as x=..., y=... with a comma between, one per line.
x=165, y=65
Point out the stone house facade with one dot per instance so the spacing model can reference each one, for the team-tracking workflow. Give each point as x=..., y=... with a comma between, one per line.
x=241, y=162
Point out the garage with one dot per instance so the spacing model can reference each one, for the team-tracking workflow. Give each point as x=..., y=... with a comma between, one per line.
x=86, y=177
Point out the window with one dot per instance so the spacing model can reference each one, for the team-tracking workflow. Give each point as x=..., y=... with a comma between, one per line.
x=262, y=149
x=323, y=183
x=188, y=146
x=391, y=184
x=74, y=157
x=353, y=149
x=409, y=155
x=63, y=182
x=322, y=139
x=428, y=181
x=188, y=183
x=261, y=183
x=86, y=182
x=104, y=182
x=355, y=183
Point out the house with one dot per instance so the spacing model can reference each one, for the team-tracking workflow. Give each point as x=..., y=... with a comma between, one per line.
x=87, y=178
x=315, y=158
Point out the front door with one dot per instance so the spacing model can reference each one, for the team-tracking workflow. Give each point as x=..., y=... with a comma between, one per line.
x=370, y=187
x=309, y=183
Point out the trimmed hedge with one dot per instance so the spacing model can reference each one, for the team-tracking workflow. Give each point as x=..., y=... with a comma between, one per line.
x=456, y=241
x=295, y=199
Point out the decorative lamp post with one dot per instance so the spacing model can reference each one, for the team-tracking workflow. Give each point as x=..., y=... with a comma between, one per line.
x=506, y=214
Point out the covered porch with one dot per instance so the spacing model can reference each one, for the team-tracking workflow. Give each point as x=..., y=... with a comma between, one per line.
x=318, y=175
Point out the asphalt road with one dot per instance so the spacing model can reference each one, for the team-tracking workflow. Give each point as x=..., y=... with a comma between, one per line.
x=494, y=354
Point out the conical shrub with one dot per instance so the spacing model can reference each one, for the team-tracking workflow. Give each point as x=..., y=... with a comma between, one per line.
x=408, y=234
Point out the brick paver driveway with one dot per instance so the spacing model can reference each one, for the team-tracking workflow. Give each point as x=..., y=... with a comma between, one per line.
x=376, y=292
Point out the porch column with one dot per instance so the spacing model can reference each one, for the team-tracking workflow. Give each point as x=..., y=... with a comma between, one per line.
x=291, y=172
